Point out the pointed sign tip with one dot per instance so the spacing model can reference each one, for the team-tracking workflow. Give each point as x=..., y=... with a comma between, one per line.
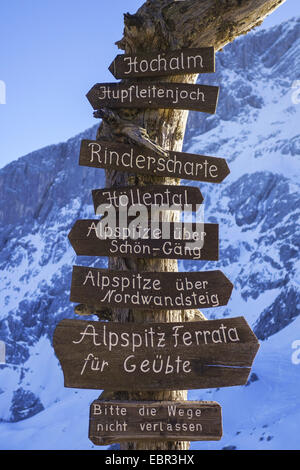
x=227, y=169
x=71, y=238
x=112, y=68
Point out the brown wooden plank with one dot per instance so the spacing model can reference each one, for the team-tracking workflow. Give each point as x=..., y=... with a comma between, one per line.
x=88, y=238
x=132, y=158
x=153, y=95
x=184, y=198
x=156, y=356
x=178, y=62
x=170, y=291
x=114, y=421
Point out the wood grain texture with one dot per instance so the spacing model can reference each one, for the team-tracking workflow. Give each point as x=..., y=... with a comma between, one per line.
x=134, y=159
x=183, y=61
x=164, y=356
x=127, y=421
x=169, y=291
x=162, y=25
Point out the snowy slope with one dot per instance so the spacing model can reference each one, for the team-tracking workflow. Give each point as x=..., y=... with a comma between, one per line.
x=266, y=413
x=256, y=129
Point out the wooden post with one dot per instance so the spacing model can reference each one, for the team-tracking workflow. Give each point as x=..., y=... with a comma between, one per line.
x=164, y=25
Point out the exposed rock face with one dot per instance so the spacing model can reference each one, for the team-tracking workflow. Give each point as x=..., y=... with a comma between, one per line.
x=283, y=310
x=24, y=405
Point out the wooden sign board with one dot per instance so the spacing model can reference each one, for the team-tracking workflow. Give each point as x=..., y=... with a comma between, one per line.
x=149, y=290
x=184, y=198
x=183, y=61
x=135, y=159
x=155, y=356
x=113, y=421
x=90, y=238
x=154, y=95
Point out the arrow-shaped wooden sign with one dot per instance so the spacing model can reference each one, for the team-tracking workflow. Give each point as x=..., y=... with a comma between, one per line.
x=183, y=198
x=135, y=159
x=182, y=61
x=155, y=356
x=171, y=240
x=142, y=290
x=115, y=421
x=154, y=95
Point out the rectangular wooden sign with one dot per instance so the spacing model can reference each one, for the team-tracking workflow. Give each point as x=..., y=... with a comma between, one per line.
x=184, y=198
x=154, y=95
x=155, y=356
x=115, y=421
x=182, y=61
x=132, y=158
x=91, y=238
x=143, y=290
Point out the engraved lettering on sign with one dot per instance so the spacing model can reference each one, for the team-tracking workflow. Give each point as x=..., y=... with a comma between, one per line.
x=184, y=198
x=160, y=64
x=150, y=338
x=196, y=60
x=155, y=355
x=116, y=234
x=123, y=157
x=202, y=98
x=113, y=421
x=167, y=290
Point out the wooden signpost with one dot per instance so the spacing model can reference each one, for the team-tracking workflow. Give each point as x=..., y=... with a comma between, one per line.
x=163, y=291
x=151, y=356
x=156, y=356
x=131, y=158
x=112, y=421
x=90, y=238
x=199, y=60
x=184, y=198
x=154, y=95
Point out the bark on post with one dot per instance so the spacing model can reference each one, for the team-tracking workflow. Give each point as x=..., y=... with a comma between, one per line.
x=164, y=25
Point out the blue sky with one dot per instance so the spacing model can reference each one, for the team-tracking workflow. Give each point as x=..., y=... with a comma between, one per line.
x=51, y=53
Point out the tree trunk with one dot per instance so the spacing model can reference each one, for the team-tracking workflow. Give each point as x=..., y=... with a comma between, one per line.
x=162, y=25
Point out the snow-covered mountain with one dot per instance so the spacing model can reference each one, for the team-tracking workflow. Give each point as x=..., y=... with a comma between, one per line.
x=256, y=128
